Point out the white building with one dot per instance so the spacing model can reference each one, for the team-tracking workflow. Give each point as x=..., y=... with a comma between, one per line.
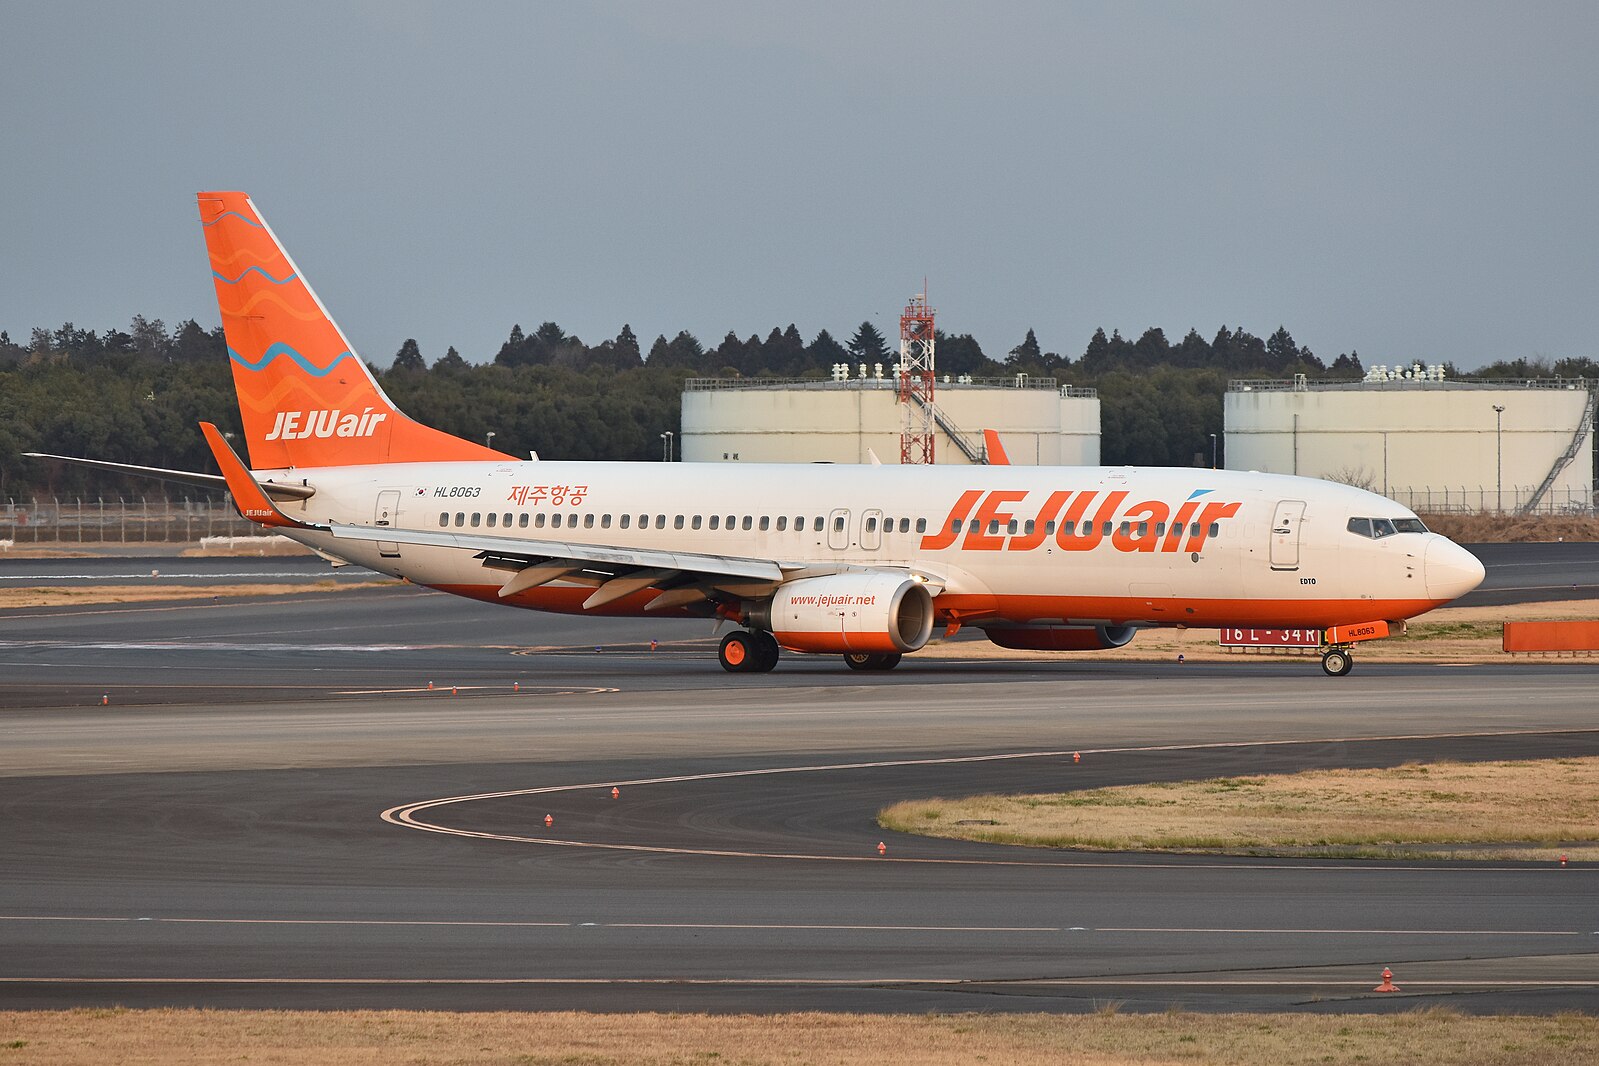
x=1432, y=444
x=763, y=420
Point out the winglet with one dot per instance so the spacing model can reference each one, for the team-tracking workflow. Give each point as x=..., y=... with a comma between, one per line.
x=248, y=496
x=994, y=449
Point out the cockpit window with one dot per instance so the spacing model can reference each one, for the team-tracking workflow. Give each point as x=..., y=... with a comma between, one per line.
x=1377, y=528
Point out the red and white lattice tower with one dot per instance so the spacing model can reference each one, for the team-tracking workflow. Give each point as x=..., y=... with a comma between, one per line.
x=916, y=422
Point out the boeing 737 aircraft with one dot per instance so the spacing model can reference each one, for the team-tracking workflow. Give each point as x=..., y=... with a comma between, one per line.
x=865, y=562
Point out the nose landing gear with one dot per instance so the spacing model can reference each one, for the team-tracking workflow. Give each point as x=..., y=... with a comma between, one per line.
x=1336, y=662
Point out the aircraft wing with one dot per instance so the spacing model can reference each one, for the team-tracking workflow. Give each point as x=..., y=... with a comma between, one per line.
x=616, y=571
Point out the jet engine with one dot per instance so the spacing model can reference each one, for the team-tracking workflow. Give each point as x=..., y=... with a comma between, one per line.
x=881, y=613
x=1062, y=638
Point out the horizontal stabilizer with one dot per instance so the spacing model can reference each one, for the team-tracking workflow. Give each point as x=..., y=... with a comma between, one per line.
x=278, y=491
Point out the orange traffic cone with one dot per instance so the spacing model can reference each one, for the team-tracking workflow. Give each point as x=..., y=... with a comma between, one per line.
x=1387, y=982
x=615, y=792
x=549, y=820
x=105, y=701
x=1077, y=756
x=882, y=848
x=516, y=686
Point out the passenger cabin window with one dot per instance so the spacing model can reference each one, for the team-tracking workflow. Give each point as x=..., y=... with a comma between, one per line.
x=588, y=521
x=460, y=519
x=521, y=520
x=782, y=522
x=660, y=521
x=921, y=525
x=1012, y=527
x=749, y=523
x=838, y=524
x=605, y=522
x=695, y=523
x=555, y=520
x=494, y=520
x=444, y=519
x=716, y=521
x=1049, y=528
x=627, y=520
x=477, y=519
x=766, y=523
x=506, y=522
x=538, y=520
x=678, y=522
x=1215, y=529
x=871, y=525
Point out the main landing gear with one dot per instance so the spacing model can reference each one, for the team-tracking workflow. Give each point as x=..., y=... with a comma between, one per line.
x=1336, y=662
x=861, y=660
x=746, y=651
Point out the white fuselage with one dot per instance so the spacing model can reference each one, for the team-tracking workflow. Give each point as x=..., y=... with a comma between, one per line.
x=1034, y=545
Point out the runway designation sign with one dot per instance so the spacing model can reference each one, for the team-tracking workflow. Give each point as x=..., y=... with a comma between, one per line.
x=1308, y=637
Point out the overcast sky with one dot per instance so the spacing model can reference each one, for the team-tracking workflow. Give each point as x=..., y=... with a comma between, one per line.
x=1415, y=181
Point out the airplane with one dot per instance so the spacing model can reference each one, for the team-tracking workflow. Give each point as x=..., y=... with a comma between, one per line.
x=865, y=562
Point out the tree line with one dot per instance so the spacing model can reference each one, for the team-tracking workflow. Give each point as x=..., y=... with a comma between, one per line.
x=135, y=395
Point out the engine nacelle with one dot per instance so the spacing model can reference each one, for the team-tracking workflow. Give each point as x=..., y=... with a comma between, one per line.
x=865, y=612
x=1062, y=638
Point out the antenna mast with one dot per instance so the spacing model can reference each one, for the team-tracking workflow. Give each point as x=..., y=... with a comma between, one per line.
x=916, y=380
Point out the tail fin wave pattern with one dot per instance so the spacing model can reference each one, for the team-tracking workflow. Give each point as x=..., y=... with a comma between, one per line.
x=306, y=397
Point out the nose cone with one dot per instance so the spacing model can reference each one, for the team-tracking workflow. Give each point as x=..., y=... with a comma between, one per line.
x=1451, y=571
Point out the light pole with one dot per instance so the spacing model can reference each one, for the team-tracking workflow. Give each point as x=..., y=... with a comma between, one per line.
x=666, y=447
x=1213, y=451
x=1499, y=457
x=488, y=439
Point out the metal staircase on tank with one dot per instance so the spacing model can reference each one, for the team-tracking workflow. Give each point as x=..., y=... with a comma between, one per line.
x=1584, y=427
x=977, y=453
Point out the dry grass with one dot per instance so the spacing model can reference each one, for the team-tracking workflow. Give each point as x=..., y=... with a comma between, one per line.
x=1509, y=529
x=1537, y=809
x=60, y=596
x=183, y=1037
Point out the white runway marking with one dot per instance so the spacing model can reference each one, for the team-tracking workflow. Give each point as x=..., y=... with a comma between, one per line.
x=406, y=814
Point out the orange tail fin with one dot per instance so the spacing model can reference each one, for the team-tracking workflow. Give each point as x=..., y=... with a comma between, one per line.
x=306, y=397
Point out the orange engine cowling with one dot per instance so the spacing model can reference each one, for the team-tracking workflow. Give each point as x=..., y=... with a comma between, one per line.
x=1062, y=638
x=858, y=612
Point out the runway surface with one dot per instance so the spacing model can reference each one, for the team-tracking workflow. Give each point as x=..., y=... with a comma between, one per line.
x=217, y=835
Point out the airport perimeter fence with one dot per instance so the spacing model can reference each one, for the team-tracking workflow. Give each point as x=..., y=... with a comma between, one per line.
x=1463, y=499
x=117, y=520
